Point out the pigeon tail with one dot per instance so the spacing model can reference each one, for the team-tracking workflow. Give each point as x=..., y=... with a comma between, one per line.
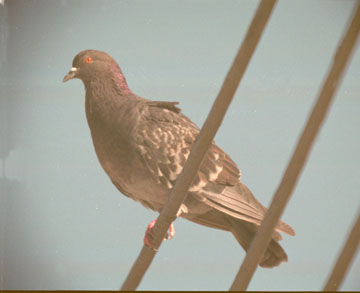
x=245, y=232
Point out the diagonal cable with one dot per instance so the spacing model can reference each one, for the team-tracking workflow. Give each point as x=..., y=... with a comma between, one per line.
x=344, y=260
x=202, y=144
x=296, y=164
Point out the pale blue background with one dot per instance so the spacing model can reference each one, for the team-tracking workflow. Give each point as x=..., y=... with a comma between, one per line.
x=65, y=226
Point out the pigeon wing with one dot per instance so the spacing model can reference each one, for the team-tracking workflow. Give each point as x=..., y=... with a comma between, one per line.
x=165, y=141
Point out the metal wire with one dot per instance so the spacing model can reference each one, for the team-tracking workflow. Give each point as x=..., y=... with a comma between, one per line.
x=343, y=262
x=295, y=166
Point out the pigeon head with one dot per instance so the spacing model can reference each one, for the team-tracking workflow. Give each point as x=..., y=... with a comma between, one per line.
x=94, y=65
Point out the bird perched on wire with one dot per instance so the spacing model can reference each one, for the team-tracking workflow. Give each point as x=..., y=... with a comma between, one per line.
x=142, y=145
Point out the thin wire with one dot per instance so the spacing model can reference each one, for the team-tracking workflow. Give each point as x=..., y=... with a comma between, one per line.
x=343, y=262
x=295, y=166
x=202, y=144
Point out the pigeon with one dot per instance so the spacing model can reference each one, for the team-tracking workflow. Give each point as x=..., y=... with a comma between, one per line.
x=142, y=145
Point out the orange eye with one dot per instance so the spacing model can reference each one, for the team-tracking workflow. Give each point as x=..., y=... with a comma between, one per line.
x=88, y=60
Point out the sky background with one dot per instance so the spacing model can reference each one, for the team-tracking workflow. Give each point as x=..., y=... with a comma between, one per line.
x=63, y=225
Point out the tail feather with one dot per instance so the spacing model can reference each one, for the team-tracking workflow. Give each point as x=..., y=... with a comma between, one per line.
x=244, y=233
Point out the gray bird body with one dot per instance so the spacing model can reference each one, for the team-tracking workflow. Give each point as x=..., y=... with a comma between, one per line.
x=142, y=145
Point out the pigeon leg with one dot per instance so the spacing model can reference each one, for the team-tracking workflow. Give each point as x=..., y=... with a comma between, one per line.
x=170, y=234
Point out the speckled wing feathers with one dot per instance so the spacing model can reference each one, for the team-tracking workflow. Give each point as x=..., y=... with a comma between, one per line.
x=164, y=142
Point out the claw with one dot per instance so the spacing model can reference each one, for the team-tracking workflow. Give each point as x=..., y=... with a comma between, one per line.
x=147, y=234
x=170, y=234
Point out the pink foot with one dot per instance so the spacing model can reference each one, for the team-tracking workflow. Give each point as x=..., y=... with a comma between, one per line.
x=170, y=234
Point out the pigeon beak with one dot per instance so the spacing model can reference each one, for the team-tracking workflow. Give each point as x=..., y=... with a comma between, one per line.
x=71, y=74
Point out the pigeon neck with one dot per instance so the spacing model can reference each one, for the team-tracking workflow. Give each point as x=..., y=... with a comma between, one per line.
x=119, y=79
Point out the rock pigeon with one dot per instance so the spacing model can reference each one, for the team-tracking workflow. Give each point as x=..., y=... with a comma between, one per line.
x=142, y=145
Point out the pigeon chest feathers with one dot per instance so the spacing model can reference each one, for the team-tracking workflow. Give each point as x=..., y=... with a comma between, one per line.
x=112, y=120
